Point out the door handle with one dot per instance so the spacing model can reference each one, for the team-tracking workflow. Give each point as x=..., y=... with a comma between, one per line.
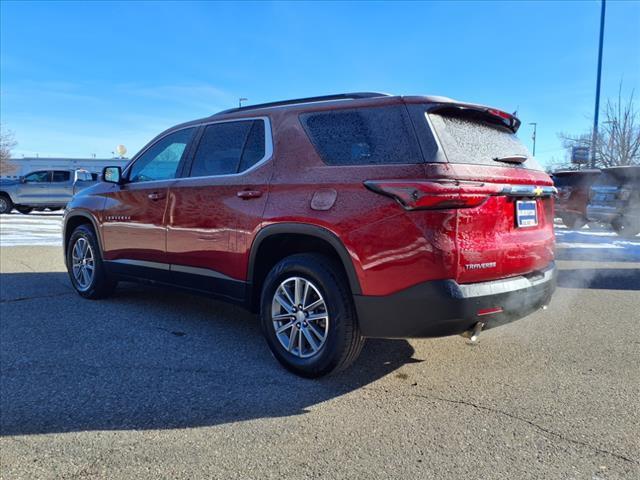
x=156, y=196
x=248, y=194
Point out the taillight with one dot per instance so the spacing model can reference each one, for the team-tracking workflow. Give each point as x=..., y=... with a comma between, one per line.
x=424, y=194
x=564, y=192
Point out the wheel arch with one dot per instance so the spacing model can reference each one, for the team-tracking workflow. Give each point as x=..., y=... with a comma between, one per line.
x=4, y=193
x=276, y=241
x=73, y=221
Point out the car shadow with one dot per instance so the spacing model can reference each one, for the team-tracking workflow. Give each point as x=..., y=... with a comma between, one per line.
x=148, y=359
x=600, y=278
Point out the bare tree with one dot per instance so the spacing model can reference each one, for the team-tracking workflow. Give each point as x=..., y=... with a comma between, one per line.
x=7, y=142
x=618, y=141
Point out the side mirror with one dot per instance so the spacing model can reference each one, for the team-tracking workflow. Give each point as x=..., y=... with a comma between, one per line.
x=112, y=175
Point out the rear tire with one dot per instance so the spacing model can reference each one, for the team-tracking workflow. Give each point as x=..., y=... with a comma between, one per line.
x=625, y=228
x=84, y=264
x=325, y=332
x=574, y=222
x=6, y=205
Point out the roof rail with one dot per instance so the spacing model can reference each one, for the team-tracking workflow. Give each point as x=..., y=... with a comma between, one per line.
x=323, y=98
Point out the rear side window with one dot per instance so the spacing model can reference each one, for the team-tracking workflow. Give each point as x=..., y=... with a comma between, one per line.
x=363, y=136
x=608, y=180
x=467, y=137
x=575, y=180
x=229, y=147
x=61, y=176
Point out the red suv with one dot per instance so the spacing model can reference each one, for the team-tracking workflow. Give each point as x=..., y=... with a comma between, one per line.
x=336, y=218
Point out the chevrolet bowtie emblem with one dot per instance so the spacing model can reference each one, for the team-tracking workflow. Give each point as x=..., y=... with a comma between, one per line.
x=537, y=191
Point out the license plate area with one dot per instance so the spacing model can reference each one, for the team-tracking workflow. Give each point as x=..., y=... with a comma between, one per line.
x=526, y=213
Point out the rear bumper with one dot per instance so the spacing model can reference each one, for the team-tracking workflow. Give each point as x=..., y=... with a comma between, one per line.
x=444, y=307
x=602, y=214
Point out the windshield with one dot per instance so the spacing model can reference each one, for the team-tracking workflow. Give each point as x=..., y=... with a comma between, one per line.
x=607, y=180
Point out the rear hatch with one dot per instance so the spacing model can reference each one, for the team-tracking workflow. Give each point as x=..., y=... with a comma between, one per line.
x=511, y=232
x=503, y=200
x=615, y=189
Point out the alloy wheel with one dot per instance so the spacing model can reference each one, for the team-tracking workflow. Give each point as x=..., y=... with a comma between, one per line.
x=300, y=317
x=83, y=263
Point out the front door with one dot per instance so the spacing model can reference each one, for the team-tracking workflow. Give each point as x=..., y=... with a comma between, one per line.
x=219, y=204
x=35, y=189
x=134, y=232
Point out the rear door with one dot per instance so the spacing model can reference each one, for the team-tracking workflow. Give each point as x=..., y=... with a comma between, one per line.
x=510, y=231
x=216, y=207
x=35, y=189
x=134, y=231
x=61, y=189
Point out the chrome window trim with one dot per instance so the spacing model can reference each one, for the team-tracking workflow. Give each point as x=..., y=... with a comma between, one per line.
x=268, y=147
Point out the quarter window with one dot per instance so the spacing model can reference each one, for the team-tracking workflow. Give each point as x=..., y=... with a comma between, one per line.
x=161, y=160
x=229, y=147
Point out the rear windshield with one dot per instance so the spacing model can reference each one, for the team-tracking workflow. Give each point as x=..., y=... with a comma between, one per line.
x=574, y=180
x=607, y=179
x=363, y=136
x=467, y=137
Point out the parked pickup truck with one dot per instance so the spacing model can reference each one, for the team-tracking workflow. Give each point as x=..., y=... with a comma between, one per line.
x=615, y=200
x=42, y=189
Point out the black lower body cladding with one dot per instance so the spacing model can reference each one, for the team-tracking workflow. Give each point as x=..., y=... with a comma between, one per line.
x=444, y=307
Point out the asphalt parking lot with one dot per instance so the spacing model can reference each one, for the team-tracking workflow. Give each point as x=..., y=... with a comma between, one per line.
x=156, y=384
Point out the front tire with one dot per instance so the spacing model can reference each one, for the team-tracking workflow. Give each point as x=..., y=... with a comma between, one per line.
x=5, y=204
x=84, y=264
x=24, y=210
x=307, y=316
x=574, y=222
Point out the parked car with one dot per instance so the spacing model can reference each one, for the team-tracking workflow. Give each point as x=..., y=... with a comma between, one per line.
x=573, y=195
x=336, y=218
x=42, y=189
x=615, y=200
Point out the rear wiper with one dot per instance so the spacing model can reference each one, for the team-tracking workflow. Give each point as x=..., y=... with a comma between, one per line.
x=511, y=159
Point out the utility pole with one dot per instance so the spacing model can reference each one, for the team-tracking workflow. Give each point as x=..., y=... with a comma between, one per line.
x=533, y=137
x=594, y=140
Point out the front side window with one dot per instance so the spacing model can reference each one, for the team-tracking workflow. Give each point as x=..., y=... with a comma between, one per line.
x=161, y=160
x=61, y=176
x=38, y=177
x=229, y=148
x=363, y=136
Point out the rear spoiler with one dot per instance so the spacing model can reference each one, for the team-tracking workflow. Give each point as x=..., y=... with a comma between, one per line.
x=507, y=119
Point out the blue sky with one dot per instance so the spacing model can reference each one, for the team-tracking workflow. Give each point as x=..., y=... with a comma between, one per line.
x=80, y=78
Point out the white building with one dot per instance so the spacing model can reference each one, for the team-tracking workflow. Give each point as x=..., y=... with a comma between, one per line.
x=25, y=165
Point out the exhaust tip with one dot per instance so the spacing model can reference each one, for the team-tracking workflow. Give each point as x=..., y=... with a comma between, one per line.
x=474, y=333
